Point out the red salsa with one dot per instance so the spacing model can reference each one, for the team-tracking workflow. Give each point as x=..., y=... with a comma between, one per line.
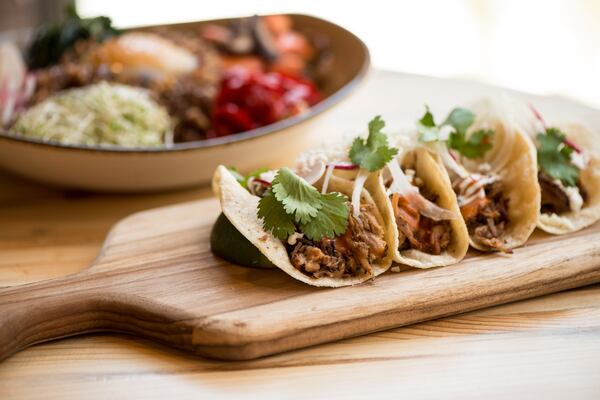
x=251, y=99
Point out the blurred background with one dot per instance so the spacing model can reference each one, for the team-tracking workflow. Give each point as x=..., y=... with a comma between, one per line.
x=547, y=47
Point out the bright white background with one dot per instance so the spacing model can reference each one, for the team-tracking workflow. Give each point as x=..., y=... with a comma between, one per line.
x=538, y=46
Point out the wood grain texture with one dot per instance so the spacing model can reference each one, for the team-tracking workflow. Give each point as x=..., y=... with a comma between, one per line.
x=541, y=348
x=156, y=278
x=546, y=347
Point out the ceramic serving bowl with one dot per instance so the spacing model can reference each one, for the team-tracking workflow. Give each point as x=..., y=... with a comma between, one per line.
x=192, y=163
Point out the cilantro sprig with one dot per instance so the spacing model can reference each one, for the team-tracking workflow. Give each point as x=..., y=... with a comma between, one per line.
x=298, y=198
x=478, y=143
x=275, y=218
x=426, y=126
x=554, y=157
x=475, y=146
x=293, y=203
x=373, y=153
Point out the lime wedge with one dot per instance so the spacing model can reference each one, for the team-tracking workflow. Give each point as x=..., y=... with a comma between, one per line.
x=228, y=243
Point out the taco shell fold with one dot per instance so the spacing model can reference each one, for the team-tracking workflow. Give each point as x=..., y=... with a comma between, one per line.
x=514, y=158
x=240, y=207
x=590, y=180
x=429, y=169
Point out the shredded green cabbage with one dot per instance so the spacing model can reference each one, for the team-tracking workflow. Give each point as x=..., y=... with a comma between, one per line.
x=100, y=114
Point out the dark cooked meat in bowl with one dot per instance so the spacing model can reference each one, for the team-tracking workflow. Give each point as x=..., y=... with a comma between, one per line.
x=213, y=81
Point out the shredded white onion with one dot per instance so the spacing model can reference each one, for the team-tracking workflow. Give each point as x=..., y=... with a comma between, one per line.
x=400, y=182
x=445, y=131
x=328, y=173
x=312, y=173
x=359, y=183
x=401, y=185
x=431, y=210
x=441, y=148
x=472, y=187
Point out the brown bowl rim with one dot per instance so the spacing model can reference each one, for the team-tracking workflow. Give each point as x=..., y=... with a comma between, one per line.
x=327, y=103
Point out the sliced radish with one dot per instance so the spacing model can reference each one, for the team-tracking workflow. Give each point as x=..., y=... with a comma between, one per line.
x=345, y=166
x=262, y=182
x=537, y=114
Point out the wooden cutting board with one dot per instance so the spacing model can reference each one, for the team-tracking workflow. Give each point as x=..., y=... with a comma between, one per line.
x=157, y=278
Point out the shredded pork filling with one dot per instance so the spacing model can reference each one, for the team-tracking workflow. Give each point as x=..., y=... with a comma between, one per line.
x=554, y=198
x=351, y=254
x=487, y=217
x=416, y=231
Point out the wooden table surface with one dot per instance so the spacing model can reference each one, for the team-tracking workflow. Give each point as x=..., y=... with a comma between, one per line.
x=547, y=347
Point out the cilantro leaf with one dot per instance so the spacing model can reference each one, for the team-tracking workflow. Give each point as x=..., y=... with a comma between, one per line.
x=461, y=119
x=429, y=132
x=275, y=218
x=427, y=119
x=478, y=143
x=331, y=219
x=554, y=157
x=293, y=202
x=299, y=198
x=373, y=153
x=375, y=126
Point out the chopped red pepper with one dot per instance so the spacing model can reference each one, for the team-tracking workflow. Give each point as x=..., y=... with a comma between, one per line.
x=537, y=114
x=248, y=100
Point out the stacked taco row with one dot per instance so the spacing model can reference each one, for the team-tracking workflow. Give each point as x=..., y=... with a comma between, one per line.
x=486, y=177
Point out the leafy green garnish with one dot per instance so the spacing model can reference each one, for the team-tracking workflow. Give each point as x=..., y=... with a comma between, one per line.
x=475, y=146
x=478, y=143
x=292, y=202
x=298, y=197
x=243, y=180
x=427, y=128
x=554, y=157
x=274, y=216
x=461, y=119
x=52, y=41
x=373, y=153
x=331, y=219
x=427, y=118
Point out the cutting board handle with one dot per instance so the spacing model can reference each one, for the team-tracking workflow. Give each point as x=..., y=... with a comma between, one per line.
x=47, y=310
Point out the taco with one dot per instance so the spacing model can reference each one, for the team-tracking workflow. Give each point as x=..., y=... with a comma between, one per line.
x=493, y=169
x=425, y=217
x=569, y=172
x=316, y=237
x=411, y=189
